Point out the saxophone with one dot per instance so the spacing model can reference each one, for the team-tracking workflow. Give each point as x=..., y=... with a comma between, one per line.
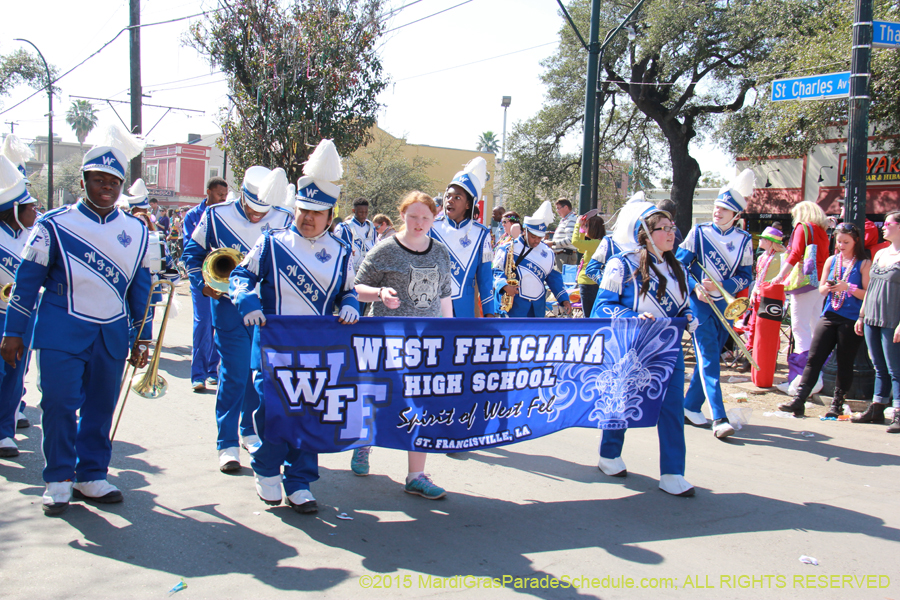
x=511, y=279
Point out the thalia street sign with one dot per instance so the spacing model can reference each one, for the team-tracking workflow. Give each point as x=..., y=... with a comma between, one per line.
x=885, y=34
x=814, y=87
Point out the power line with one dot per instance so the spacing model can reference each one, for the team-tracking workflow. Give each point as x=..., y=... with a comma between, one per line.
x=103, y=47
x=390, y=13
x=182, y=87
x=423, y=18
x=476, y=62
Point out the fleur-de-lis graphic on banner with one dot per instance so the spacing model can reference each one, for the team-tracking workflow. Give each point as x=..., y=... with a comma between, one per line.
x=323, y=256
x=124, y=239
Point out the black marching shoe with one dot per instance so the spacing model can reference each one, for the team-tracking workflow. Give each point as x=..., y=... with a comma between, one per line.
x=895, y=422
x=837, y=404
x=874, y=414
x=796, y=406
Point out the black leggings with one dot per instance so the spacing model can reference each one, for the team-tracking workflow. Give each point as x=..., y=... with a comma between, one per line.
x=831, y=331
x=588, y=295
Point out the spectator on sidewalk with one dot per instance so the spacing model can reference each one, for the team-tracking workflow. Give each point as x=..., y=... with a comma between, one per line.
x=562, y=237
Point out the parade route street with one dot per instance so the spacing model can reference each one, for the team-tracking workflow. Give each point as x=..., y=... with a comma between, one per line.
x=538, y=513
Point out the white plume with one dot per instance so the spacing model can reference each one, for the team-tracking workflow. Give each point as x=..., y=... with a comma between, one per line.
x=9, y=174
x=544, y=213
x=274, y=188
x=116, y=137
x=325, y=163
x=477, y=167
x=291, y=196
x=638, y=197
x=138, y=189
x=743, y=184
x=16, y=150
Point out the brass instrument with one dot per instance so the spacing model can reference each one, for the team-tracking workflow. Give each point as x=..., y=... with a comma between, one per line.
x=737, y=307
x=218, y=266
x=6, y=292
x=512, y=278
x=149, y=384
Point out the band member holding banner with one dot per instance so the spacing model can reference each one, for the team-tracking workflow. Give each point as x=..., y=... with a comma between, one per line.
x=89, y=257
x=530, y=265
x=281, y=263
x=236, y=225
x=726, y=253
x=410, y=274
x=649, y=283
x=17, y=216
x=469, y=242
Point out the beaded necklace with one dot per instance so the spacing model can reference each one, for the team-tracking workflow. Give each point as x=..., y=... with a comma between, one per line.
x=837, y=298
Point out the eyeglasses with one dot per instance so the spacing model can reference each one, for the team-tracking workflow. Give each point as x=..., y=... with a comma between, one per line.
x=667, y=228
x=847, y=228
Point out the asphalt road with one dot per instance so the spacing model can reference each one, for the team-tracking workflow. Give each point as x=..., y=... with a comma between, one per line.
x=538, y=513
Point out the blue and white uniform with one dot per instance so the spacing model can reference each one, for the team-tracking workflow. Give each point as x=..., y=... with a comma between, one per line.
x=94, y=274
x=469, y=243
x=204, y=358
x=227, y=226
x=295, y=276
x=728, y=256
x=360, y=237
x=619, y=297
x=534, y=269
x=12, y=242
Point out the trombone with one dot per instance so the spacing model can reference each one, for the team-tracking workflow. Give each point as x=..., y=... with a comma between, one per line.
x=6, y=292
x=149, y=384
x=735, y=308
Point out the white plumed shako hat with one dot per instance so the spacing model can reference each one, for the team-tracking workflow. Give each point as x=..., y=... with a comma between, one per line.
x=736, y=194
x=316, y=190
x=538, y=222
x=112, y=154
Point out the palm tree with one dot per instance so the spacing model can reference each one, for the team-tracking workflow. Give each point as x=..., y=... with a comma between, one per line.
x=488, y=142
x=82, y=118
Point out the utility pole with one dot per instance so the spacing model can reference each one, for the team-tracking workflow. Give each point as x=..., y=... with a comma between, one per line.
x=12, y=126
x=590, y=100
x=49, y=126
x=136, y=91
x=858, y=128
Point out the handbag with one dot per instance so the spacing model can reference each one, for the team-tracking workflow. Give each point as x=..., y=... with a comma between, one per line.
x=804, y=276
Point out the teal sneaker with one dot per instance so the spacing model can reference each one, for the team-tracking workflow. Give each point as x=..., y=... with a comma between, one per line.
x=359, y=464
x=423, y=486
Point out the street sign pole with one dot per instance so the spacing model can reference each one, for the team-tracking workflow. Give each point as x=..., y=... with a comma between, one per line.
x=858, y=131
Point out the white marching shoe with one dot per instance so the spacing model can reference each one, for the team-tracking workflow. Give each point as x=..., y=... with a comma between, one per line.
x=56, y=497
x=676, y=485
x=98, y=490
x=303, y=501
x=614, y=467
x=697, y=419
x=230, y=459
x=269, y=489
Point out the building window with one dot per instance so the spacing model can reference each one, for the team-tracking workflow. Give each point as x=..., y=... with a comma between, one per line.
x=213, y=172
x=151, y=174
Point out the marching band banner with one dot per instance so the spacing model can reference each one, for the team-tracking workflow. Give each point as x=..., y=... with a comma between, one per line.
x=451, y=385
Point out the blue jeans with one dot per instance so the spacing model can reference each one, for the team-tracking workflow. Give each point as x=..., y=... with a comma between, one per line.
x=885, y=355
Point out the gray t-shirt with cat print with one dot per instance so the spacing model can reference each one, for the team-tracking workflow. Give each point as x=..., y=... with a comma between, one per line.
x=420, y=278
